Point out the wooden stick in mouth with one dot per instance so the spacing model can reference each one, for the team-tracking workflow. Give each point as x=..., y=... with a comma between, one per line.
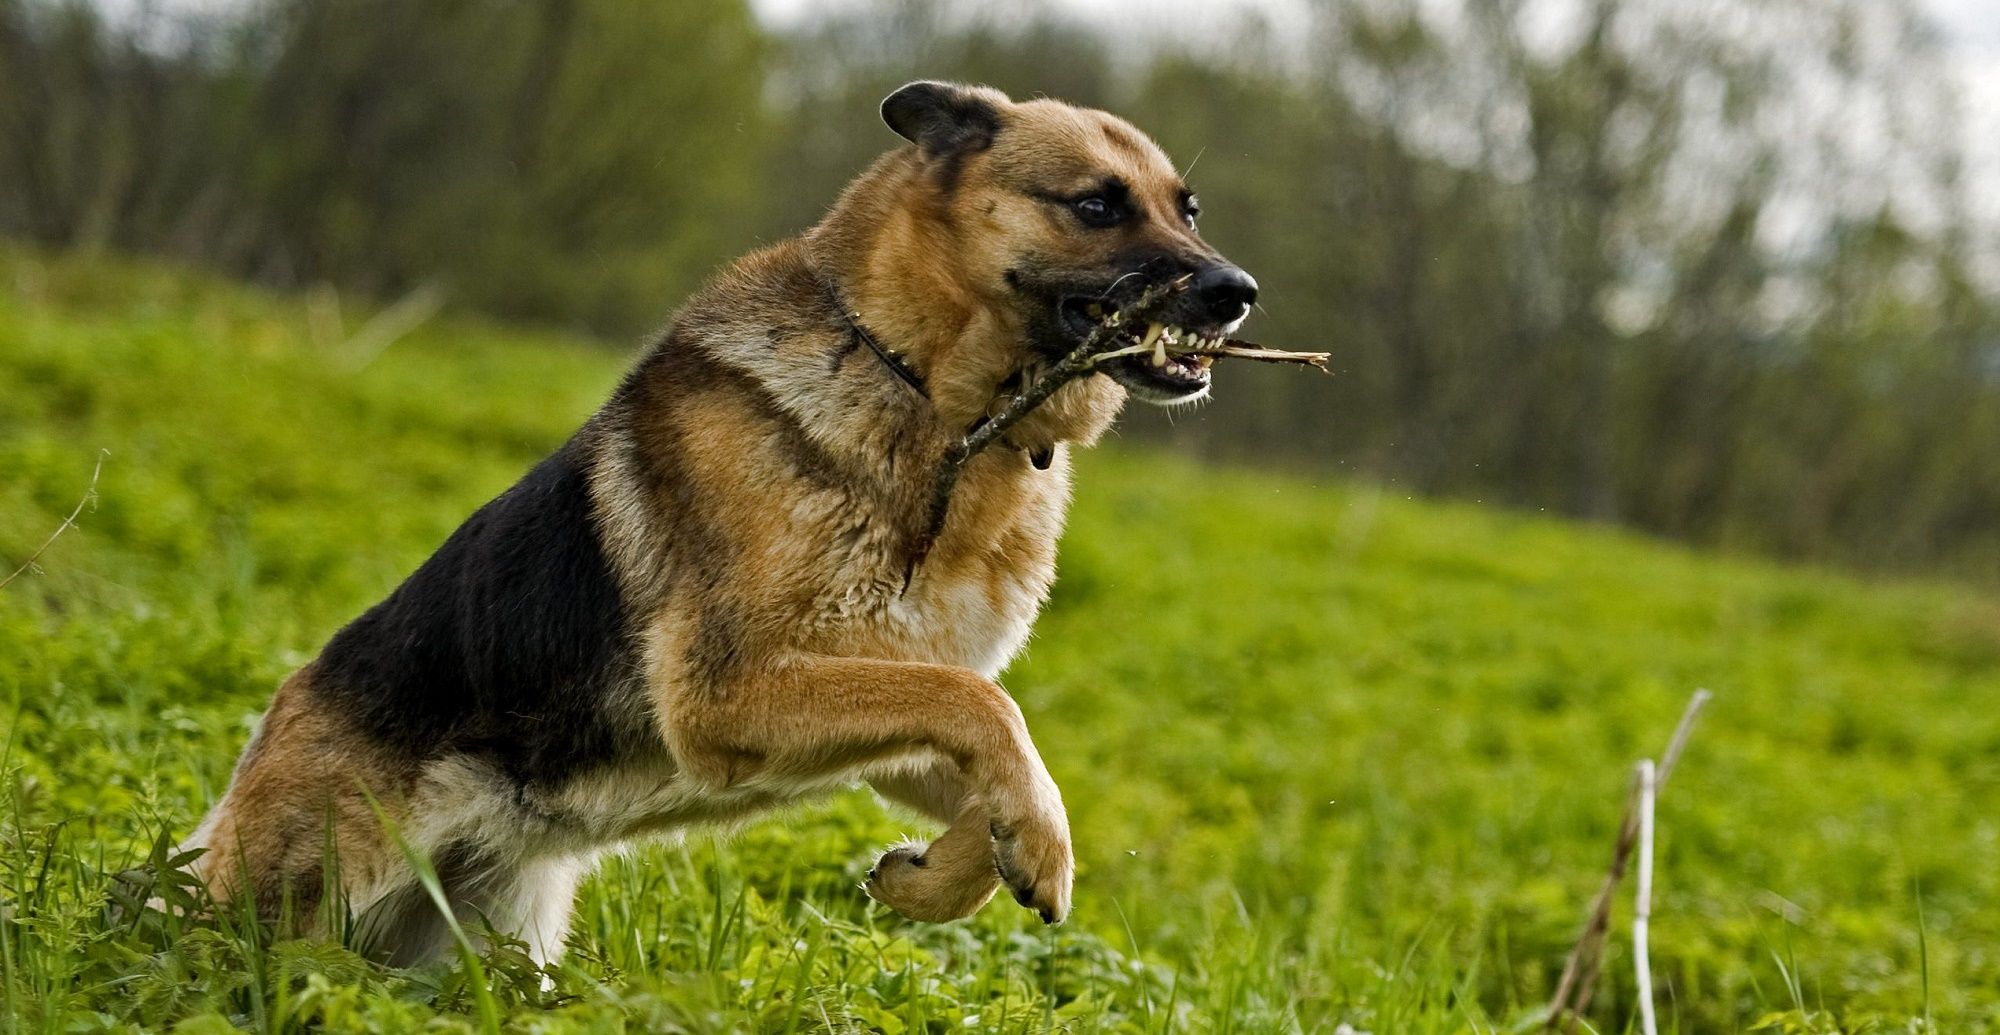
x=1236, y=348
x=1099, y=345
x=1226, y=348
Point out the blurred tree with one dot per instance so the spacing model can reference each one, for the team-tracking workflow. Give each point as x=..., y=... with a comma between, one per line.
x=835, y=71
x=103, y=140
x=569, y=159
x=582, y=161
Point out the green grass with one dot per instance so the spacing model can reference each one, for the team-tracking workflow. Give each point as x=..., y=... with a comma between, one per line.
x=1332, y=756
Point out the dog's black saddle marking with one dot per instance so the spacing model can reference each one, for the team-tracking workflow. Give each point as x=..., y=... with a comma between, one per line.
x=508, y=643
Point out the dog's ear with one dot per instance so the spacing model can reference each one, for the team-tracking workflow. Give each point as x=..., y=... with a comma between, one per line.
x=944, y=118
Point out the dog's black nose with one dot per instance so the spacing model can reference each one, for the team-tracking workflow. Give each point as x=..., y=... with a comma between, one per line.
x=1225, y=291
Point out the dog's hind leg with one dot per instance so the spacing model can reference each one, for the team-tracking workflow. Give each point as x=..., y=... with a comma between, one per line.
x=532, y=901
x=952, y=876
x=529, y=900
x=401, y=928
x=300, y=817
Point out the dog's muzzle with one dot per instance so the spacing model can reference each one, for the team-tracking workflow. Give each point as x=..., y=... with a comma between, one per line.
x=1216, y=301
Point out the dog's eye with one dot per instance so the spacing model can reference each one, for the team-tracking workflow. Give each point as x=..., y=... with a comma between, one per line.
x=1190, y=210
x=1097, y=211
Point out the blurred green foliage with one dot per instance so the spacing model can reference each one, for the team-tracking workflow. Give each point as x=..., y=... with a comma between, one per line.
x=1703, y=267
x=561, y=160
x=1332, y=756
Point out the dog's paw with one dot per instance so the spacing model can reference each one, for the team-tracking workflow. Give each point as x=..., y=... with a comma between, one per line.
x=1035, y=862
x=932, y=889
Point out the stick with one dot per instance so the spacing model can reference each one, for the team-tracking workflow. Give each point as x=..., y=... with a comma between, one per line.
x=1579, y=976
x=1234, y=349
x=1580, y=970
x=89, y=497
x=1681, y=731
x=1080, y=361
x=1231, y=348
x=1642, y=902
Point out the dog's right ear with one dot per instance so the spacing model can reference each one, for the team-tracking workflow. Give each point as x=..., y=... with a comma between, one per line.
x=944, y=118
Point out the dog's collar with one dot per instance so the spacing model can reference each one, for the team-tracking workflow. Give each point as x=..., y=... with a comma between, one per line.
x=890, y=358
x=907, y=374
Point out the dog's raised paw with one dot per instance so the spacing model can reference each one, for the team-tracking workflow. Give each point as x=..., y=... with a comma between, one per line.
x=905, y=880
x=1037, y=868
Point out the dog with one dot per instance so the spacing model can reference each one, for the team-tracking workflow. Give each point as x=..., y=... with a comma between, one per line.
x=701, y=607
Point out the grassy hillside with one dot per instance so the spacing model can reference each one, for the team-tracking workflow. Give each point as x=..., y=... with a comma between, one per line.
x=1332, y=756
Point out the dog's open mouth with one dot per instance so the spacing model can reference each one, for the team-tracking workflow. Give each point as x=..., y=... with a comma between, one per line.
x=1158, y=363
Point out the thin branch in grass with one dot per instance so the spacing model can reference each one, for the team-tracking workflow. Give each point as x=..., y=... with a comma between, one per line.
x=1682, y=729
x=1923, y=956
x=89, y=500
x=1579, y=977
x=1642, y=901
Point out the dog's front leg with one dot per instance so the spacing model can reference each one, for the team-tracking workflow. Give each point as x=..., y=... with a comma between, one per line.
x=950, y=877
x=805, y=717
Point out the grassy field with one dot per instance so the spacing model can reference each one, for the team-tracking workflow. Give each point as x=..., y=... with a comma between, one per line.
x=1333, y=757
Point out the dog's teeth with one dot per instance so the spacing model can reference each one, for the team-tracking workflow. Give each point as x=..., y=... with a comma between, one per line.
x=1160, y=352
x=1152, y=335
x=1205, y=361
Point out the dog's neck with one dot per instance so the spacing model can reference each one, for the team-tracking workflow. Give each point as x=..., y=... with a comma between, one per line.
x=889, y=263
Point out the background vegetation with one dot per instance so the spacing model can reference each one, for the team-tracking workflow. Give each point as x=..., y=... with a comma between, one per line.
x=1699, y=266
x=1358, y=767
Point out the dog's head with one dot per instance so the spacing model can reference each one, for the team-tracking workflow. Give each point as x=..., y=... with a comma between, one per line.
x=1039, y=215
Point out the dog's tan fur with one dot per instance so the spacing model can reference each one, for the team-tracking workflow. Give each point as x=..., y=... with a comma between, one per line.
x=281, y=809
x=755, y=485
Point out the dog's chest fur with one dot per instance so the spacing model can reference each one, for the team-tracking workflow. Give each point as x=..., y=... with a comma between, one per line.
x=767, y=561
x=974, y=599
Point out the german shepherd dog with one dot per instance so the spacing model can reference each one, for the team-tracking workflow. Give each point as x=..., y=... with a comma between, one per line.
x=700, y=606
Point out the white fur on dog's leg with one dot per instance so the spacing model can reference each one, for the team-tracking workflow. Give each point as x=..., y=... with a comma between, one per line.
x=546, y=901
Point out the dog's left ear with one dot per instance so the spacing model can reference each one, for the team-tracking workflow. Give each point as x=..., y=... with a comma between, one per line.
x=944, y=118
